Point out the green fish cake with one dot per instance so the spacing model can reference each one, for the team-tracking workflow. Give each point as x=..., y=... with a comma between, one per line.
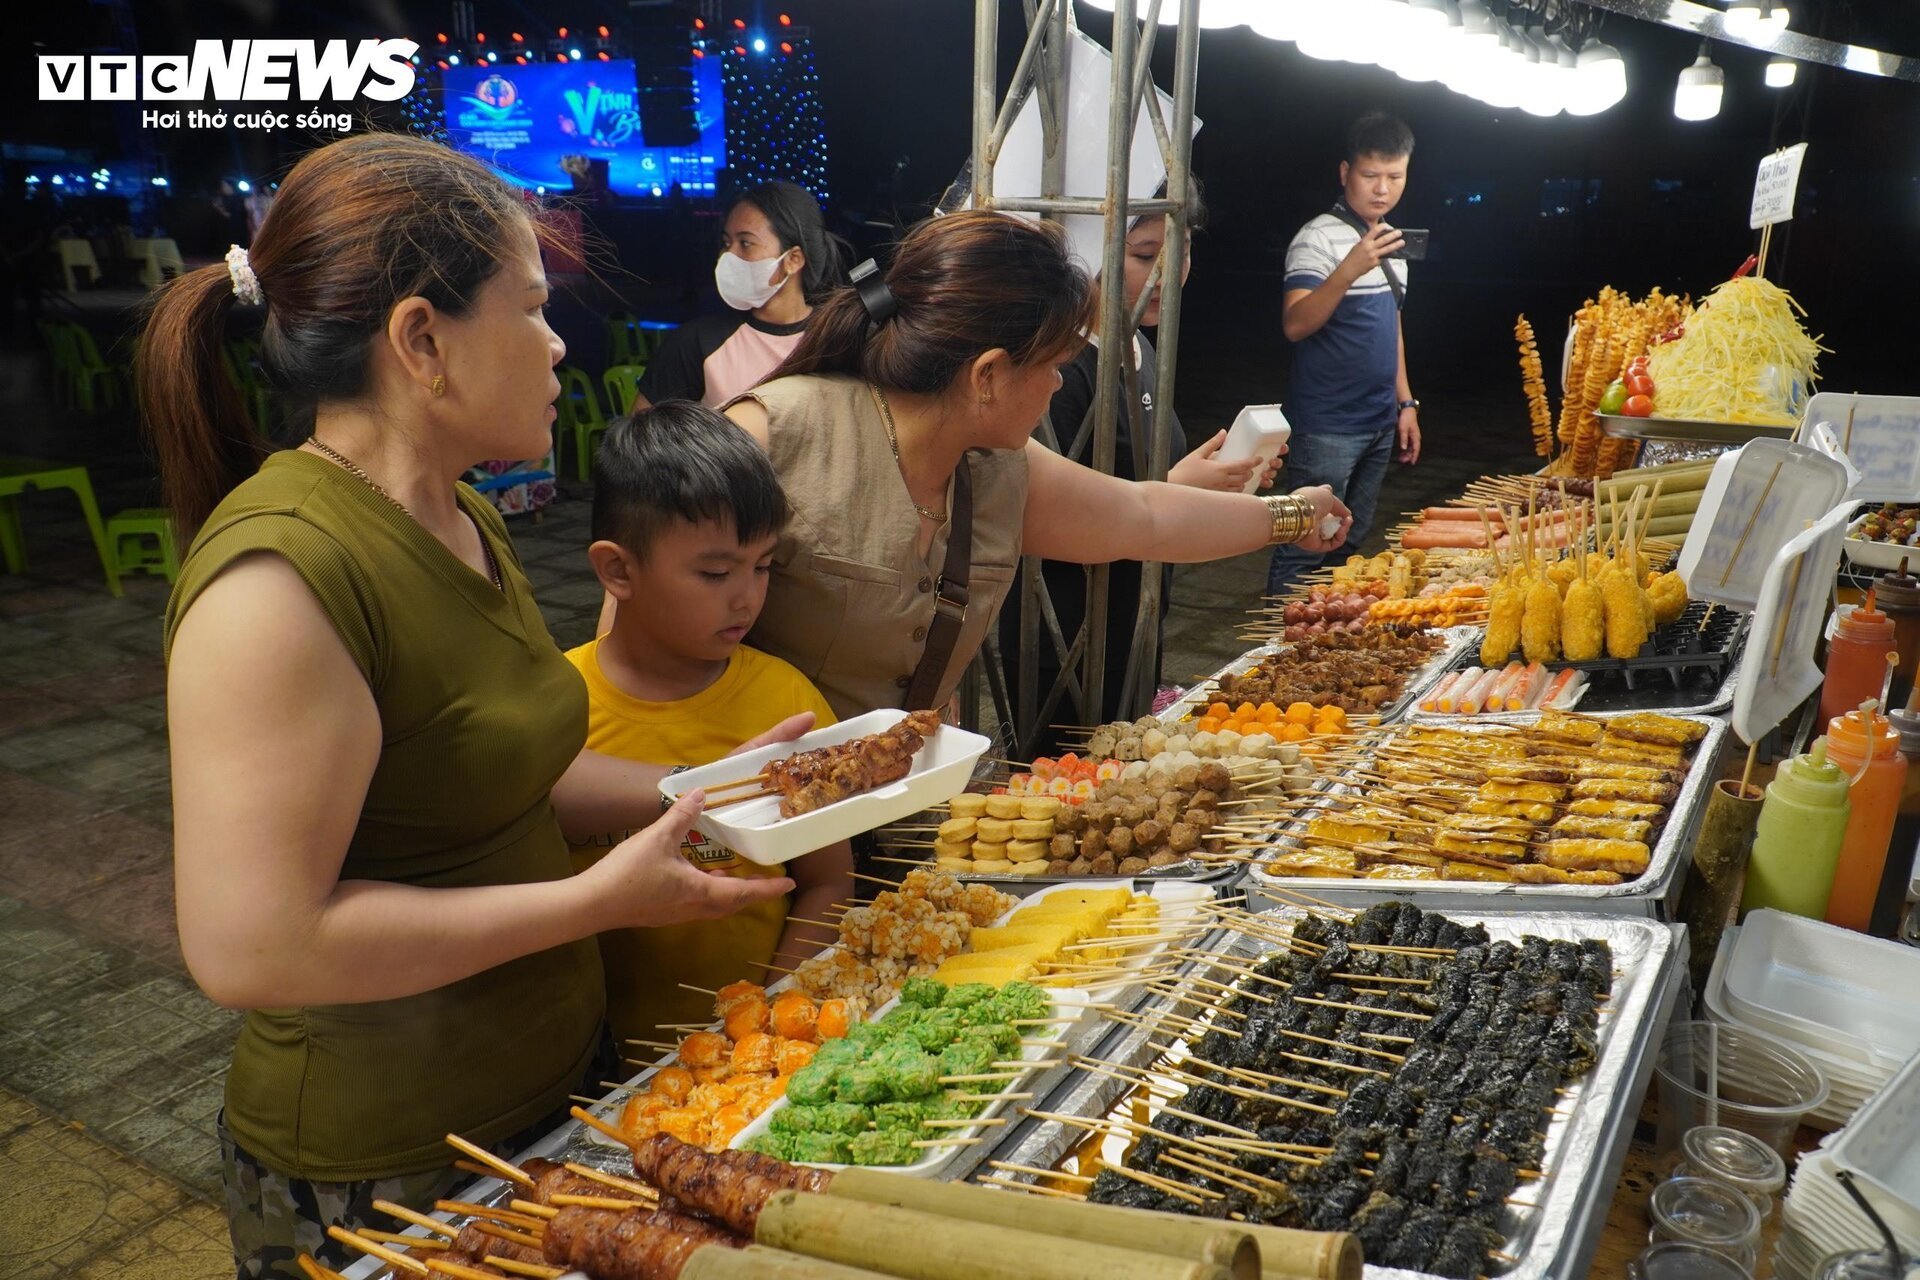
x=821, y=1148
x=923, y=992
x=862, y=1082
x=884, y=1146
x=814, y=1084
x=968, y=993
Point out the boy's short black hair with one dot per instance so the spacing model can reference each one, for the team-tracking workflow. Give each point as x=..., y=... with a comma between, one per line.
x=1379, y=134
x=680, y=460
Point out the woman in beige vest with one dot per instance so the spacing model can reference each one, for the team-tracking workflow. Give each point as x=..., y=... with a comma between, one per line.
x=901, y=382
x=376, y=746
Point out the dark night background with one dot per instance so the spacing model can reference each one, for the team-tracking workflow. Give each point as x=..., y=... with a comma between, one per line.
x=1527, y=214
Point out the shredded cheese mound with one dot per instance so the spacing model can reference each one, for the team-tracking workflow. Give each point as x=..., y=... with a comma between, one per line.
x=1740, y=359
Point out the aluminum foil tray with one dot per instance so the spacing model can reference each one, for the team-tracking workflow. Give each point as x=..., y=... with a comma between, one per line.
x=1586, y=1147
x=1653, y=894
x=1456, y=643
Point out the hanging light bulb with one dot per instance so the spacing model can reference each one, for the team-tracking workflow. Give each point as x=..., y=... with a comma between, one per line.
x=1466, y=57
x=1278, y=19
x=1423, y=39
x=1697, y=94
x=1743, y=18
x=1503, y=73
x=1780, y=72
x=1774, y=18
x=1600, y=80
x=1541, y=91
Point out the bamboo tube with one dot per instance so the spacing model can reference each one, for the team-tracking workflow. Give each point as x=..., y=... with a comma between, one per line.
x=1135, y=1229
x=758, y=1262
x=1717, y=868
x=925, y=1246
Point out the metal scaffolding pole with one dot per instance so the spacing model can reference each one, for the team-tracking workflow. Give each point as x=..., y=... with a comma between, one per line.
x=1043, y=69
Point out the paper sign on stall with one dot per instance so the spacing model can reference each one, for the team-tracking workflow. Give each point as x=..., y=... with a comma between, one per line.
x=1774, y=186
x=1756, y=498
x=1017, y=169
x=1777, y=670
x=1878, y=435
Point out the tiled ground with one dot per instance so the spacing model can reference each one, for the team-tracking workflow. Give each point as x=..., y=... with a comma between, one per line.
x=110, y=1060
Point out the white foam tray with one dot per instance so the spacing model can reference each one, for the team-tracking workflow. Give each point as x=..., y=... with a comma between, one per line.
x=755, y=830
x=1845, y=992
x=1058, y=1040
x=1876, y=554
x=1180, y=902
x=1882, y=1148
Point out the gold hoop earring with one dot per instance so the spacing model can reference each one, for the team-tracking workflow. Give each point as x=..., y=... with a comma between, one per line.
x=439, y=387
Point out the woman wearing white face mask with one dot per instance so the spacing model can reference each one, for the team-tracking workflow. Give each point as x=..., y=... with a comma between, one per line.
x=776, y=259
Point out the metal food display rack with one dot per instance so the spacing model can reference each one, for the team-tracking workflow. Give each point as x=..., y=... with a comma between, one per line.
x=1585, y=1148
x=1654, y=893
x=1691, y=429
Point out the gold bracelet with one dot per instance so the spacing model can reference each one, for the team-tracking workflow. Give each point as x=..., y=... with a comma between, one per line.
x=1290, y=517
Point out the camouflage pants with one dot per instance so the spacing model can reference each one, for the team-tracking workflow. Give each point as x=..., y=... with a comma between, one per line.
x=273, y=1218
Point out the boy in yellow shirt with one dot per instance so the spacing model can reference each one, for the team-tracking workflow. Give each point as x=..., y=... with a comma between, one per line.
x=686, y=514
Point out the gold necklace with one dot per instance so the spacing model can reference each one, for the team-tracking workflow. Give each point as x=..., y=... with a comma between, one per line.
x=354, y=469
x=893, y=443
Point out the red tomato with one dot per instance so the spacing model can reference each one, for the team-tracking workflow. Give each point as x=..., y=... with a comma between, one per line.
x=1638, y=407
x=1639, y=384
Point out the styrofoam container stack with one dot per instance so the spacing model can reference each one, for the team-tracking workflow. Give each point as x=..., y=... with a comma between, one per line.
x=1880, y=1149
x=1841, y=998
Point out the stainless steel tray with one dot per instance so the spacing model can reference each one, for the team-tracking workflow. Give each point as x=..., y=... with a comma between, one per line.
x=1655, y=893
x=1455, y=641
x=1585, y=1149
x=1618, y=424
x=1718, y=703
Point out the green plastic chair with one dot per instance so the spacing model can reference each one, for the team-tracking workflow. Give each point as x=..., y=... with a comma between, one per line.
x=626, y=344
x=91, y=374
x=17, y=475
x=623, y=386
x=142, y=542
x=579, y=414
x=60, y=351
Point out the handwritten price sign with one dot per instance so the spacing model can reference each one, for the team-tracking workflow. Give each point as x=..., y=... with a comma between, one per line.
x=1774, y=187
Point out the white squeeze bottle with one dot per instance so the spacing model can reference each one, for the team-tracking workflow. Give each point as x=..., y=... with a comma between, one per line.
x=1259, y=432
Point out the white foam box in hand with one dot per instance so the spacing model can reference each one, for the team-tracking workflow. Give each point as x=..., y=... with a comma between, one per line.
x=1260, y=431
x=754, y=828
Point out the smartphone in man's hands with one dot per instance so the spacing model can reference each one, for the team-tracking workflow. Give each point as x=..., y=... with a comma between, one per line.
x=1413, y=243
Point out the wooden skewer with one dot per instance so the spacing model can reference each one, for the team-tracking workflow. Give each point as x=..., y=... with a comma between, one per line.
x=511, y=1172
x=591, y=1174
x=468, y=1166
x=598, y=1202
x=440, y=1267
x=928, y=1143
x=525, y=1239
x=533, y=1210
x=740, y=799
x=595, y=1122
x=1225, y=1180
x=379, y=1251
x=736, y=784
x=1031, y=1188
x=466, y=1209
x=407, y=1215
x=314, y=1271
x=964, y=1124
x=524, y=1268
x=394, y=1237
x=1008, y=1166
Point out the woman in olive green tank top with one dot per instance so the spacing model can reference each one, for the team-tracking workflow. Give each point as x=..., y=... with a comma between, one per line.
x=377, y=748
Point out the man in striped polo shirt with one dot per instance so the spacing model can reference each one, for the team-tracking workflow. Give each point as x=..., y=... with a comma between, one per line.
x=1349, y=402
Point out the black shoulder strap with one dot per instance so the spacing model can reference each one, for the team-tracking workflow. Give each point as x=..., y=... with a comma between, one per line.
x=950, y=597
x=1355, y=221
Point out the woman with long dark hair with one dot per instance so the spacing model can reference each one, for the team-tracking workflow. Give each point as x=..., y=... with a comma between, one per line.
x=376, y=746
x=777, y=259
x=901, y=429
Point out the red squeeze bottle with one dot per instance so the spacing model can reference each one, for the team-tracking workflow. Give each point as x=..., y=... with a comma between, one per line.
x=1866, y=746
x=1856, y=659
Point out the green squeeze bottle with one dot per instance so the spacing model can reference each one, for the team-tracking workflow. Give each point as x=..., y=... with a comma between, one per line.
x=1797, y=848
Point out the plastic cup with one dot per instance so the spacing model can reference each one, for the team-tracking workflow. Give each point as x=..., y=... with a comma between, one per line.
x=1678, y=1260
x=1738, y=1160
x=1712, y=1074
x=1709, y=1214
